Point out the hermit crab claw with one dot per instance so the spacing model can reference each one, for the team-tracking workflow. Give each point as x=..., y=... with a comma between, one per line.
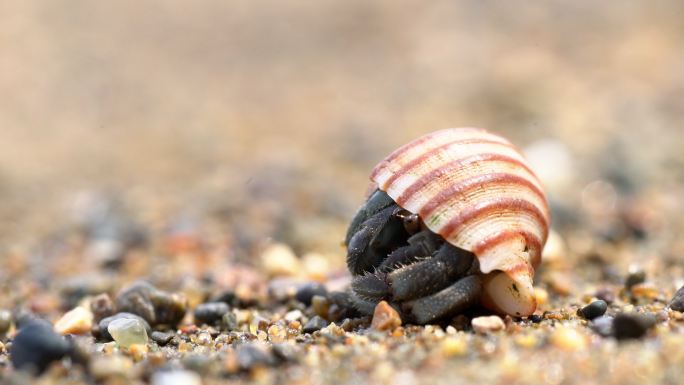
x=507, y=283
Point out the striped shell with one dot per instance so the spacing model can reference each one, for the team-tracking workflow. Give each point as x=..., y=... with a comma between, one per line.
x=476, y=190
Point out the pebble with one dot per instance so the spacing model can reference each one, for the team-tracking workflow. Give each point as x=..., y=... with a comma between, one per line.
x=76, y=321
x=635, y=277
x=252, y=355
x=104, y=323
x=210, y=312
x=112, y=366
x=526, y=340
x=333, y=330
x=632, y=325
x=320, y=305
x=385, y=317
x=677, y=302
x=488, y=324
x=293, y=315
x=227, y=296
x=307, y=291
x=662, y=316
x=454, y=346
x=286, y=352
x=36, y=345
x=5, y=321
x=198, y=363
x=102, y=306
x=229, y=321
x=593, y=310
x=568, y=339
x=316, y=323
x=127, y=332
x=277, y=334
x=602, y=325
x=278, y=259
x=157, y=307
x=645, y=291
x=176, y=377
x=162, y=338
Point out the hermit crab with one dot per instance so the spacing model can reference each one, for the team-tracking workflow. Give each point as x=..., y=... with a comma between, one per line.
x=454, y=219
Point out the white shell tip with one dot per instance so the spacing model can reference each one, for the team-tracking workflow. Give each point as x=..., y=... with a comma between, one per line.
x=509, y=294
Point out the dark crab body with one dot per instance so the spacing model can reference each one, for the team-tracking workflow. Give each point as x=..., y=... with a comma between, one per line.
x=456, y=218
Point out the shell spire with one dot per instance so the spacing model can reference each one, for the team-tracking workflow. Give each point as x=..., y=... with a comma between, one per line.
x=475, y=189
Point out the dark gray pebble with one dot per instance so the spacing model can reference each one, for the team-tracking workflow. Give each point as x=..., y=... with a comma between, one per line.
x=250, y=356
x=316, y=323
x=677, y=302
x=634, y=278
x=161, y=338
x=602, y=325
x=227, y=296
x=36, y=345
x=104, y=323
x=632, y=325
x=198, y=363
x=136, y=299
x=306, y=292
x=286, y=352
x=157, y=307
x=536, y=318
x=210, y=312
x=593, y=310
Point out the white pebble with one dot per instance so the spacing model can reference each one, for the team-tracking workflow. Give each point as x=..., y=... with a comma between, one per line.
x=488, y=324
x=127, y=332
x=176, y=377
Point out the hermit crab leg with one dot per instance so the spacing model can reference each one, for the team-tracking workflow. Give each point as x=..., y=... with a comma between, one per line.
x=362, y=254
x=428, y=276
x=371, y=286
x=454, y=299
x=364, y=305
x=375, y=203
x=421, y=246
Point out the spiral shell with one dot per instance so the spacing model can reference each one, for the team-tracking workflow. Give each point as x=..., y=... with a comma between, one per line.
x=476, y=190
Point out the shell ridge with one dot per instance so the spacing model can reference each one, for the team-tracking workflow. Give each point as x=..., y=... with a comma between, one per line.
x=477, y=182
x=413, y=163
x=453, y=165
x=487, y=207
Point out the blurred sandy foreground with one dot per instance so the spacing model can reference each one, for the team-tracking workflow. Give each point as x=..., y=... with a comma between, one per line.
x=265, y=113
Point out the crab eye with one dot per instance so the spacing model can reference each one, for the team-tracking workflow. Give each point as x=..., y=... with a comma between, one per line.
x=411, y=221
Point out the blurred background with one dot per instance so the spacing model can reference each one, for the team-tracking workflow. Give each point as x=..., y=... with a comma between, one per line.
x=166, y=126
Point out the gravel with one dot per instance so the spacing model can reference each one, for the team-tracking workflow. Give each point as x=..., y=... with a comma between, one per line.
x=632, y=325
x=36, y=345
x=103, y=326
x=210, y=312
x=593, y=310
